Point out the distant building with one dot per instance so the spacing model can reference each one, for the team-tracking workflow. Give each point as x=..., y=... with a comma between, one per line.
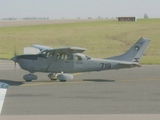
x=132, y=19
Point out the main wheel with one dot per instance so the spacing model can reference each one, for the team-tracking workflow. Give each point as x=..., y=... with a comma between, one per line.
x=28, y=80
x=62, y=80
x=53, y=79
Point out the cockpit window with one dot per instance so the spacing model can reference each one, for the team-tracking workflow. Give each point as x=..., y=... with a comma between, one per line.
x=44, y=54
x=47, y=54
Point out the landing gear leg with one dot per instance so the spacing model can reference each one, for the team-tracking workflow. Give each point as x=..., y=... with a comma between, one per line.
x=53, y=76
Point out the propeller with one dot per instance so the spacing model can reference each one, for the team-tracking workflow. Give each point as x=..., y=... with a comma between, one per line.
x=15, y=55
x=15, y=64
x=14, y=58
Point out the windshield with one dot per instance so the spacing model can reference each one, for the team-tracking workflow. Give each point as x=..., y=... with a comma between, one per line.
x=88, y=57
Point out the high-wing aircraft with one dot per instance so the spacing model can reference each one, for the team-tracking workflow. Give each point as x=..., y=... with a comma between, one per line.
x=59, y=62
x=3, y=90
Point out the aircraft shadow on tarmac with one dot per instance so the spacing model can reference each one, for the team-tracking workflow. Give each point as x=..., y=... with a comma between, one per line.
x=98, y=80
x=11, y=83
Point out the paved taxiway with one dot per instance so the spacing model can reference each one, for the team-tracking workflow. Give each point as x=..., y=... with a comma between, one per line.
x=128, y=91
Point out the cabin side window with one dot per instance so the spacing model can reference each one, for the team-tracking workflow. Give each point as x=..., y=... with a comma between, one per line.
x=57, y=56
x=78, y=58
x=69, y=57
x=64, y=56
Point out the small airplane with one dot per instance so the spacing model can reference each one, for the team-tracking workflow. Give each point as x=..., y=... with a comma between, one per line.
x=59, y=62
x=3, y=90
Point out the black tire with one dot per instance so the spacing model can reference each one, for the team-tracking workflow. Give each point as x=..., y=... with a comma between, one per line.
x=28, y=80
x=62, y=80
x=53, y=79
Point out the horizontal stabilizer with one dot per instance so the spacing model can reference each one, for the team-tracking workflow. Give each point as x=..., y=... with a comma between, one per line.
x=129, y=63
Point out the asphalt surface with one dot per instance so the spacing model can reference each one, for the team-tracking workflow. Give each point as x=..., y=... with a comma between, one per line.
x=127, y=91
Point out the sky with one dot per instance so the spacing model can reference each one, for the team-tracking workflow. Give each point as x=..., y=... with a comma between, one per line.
x=71, y=9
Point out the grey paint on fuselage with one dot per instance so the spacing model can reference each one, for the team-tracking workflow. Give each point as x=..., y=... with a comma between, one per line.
x=54, y=65
x=71, y=60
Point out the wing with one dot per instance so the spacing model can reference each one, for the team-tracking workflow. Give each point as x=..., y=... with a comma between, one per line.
x=41, y=47
x=60, y=50
x=3, y=90
x=67, y=50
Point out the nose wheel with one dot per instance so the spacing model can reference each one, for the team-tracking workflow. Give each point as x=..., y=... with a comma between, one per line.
x=29, y=77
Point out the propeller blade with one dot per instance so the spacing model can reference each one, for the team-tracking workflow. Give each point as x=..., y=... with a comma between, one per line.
x=15, y=57
x=15, y=64
x=15, y=52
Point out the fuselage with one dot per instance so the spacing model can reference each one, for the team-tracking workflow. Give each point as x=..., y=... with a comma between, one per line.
x=67, y=63
x=60, y=61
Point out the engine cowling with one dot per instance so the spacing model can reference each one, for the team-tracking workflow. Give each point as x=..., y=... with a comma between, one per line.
x=64, y=77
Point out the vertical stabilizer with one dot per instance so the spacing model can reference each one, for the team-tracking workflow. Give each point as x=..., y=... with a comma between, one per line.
x=134, y=53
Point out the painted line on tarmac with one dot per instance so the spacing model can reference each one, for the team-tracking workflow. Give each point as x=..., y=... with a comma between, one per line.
x=11, y=68
x=5, y=63
x=82, y=82
x=51, y=83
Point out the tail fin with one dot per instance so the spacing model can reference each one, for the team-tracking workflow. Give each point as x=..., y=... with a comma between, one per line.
x=134, y=53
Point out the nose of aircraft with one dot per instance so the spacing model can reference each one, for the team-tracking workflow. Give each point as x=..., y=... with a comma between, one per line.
x=14, y=59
